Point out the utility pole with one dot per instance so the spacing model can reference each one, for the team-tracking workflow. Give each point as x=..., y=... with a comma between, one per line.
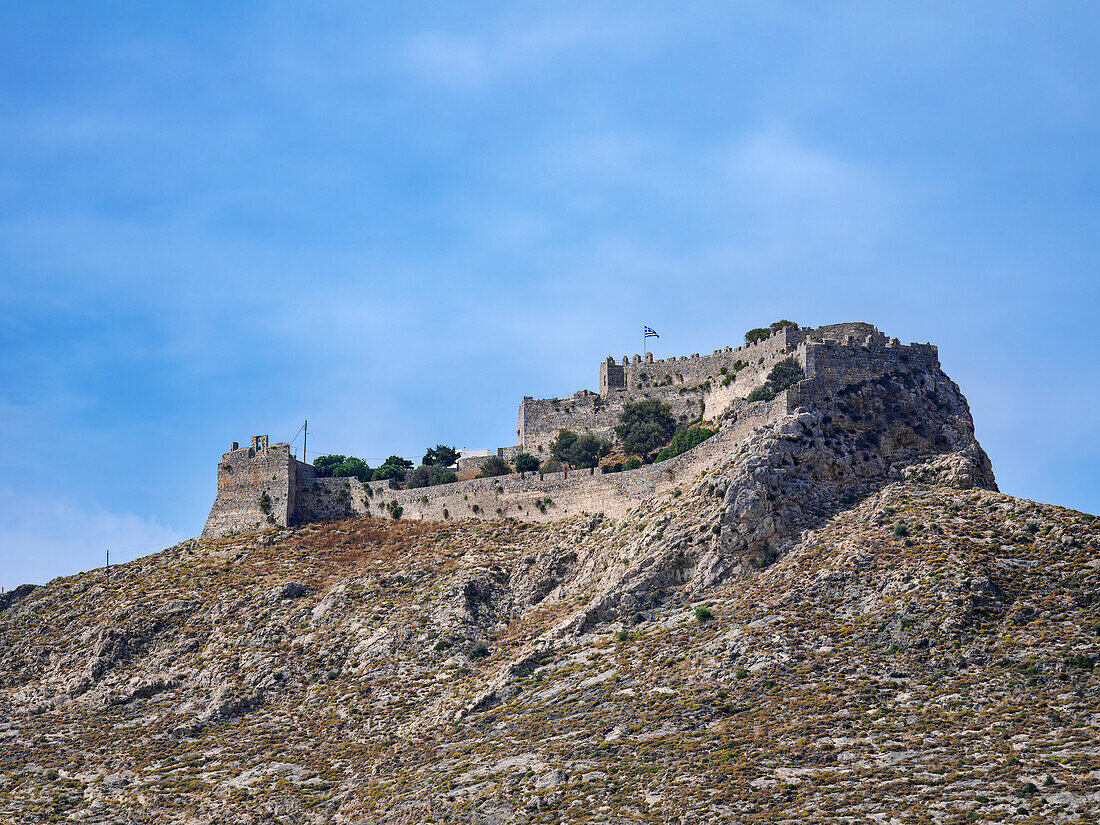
x=305, y=438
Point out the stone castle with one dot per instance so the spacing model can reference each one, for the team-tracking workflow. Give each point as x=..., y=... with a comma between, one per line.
x=264, y=485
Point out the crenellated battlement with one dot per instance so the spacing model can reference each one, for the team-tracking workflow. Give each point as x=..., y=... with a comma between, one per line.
x=694, y=386
x=263, y=485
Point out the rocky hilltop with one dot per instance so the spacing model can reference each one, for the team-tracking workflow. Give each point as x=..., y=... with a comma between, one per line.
x=836, y=619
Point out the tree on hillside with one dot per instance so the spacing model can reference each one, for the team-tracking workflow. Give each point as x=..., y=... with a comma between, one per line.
x=353, y=467
x=559, y=447
x=587, y=451
x=784, y=323
x=429, y=475
x=686, y=437
x=494, y=466
x=644, y=426
x=526, y=463
x=326, y=464
x=338, y=466
x=440, y=454
x=757, y=334
x=394, y=467
x=786, y=373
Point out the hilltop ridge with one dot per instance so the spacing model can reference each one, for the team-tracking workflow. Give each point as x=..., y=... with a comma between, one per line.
x=263, y=484
x=923, y=643
x=825, y=612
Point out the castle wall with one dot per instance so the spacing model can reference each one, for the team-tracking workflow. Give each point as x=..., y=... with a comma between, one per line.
x=542, y=418
x=513, y=496
x=244, y=475
x=830, y=366
x=831, y=357
x=696, y=370
x=691, y=386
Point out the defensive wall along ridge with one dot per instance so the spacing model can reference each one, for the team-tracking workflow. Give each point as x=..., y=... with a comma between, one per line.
x=263, y=485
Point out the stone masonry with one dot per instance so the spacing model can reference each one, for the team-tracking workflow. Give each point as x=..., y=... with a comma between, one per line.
x=264, y=485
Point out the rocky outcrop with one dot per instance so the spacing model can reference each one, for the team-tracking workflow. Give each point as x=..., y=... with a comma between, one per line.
x=841, y=595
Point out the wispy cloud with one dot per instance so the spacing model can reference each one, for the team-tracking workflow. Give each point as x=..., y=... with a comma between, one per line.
x=47, y=536
x=512, y=47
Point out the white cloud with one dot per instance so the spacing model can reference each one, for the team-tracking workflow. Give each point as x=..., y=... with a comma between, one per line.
x=513, y=47
x=45, y=537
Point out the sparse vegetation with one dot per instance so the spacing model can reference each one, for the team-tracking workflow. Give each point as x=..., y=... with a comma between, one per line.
x=685, y=438
x=494, y=466
x=645, y=426
x=784, y=374
x=339, y=466
x=430, y=475
x=526, y=463
x=395, y=467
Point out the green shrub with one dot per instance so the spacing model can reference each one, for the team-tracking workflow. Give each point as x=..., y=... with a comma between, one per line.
x=551, y=465
x=562, y=443
x=632, y=463
x=338, y=466
x=645, y=426
x=429, y=475
x=1083, y=662
x=780, y=324
x=526, y=463
x=495, y=466
x=901, y=529
x=478, y=650
x=395, y=510
x=686, y=437
x=440, y=454
x=703, y=614
x=587, y=450
x=394, y=467
x=442, y=645
x=265, y=503
x=757, y=334
x=786, y=373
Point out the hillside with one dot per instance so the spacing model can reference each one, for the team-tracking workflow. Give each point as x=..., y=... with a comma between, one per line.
x=331, y=673
x=838, y=619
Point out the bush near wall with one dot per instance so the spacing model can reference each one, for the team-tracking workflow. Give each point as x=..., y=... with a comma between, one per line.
x=494, y=466
x=645, y=426
x=786, y=373
x=338, y=466
x=684, y=440
x=526, y=463
x=429, y=475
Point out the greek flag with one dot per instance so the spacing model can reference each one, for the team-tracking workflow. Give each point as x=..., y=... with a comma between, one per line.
x=649, y=333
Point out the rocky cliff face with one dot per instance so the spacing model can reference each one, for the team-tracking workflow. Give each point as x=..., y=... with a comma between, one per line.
x=841, y=619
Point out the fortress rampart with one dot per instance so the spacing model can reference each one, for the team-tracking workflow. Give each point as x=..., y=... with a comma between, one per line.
x=264, y=485
x=696, y=386
x=245, y=476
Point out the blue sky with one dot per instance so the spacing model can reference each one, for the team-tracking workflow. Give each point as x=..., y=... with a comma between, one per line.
x=396, y=219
